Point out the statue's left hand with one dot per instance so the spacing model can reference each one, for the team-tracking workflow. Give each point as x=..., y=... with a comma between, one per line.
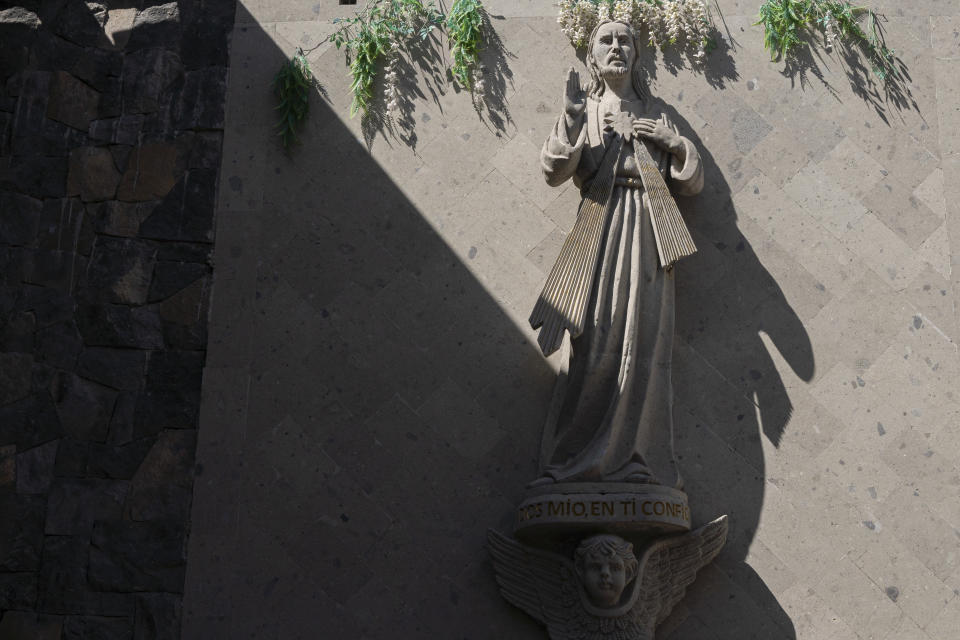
x=658, y=133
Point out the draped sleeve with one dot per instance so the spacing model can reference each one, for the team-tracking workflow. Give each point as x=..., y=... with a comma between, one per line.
x=560, y=157
x=686, y=178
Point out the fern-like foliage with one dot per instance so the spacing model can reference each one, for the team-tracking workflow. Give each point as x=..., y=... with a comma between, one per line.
x=785, y=21
x=465, y=31
x=382, y=26
x=292, y=86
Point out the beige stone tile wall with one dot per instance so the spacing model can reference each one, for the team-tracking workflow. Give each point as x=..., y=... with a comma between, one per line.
x=373, y=397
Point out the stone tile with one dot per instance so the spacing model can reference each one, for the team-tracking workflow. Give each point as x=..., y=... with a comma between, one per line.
x=902, y=213
x=74, y=504
x=563, y=210
x=857, y=327
x=461, y=421
x=863, y=605
x=853, y=170
x=519, y=162
x=812, y=616
x=243, y=169
x=535, y=112
x=935, y=251
x=882, y=250
x=931, y=471
x=905, y=580
x=803, y=292
x=820, y=195
x=544, y=255
x=924, y=534
x=945, y=34
x=932, y=295
x=508, y=210
x=945, y=622
x=930, y=192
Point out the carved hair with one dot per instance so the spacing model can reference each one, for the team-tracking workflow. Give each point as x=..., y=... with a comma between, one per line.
x=596, y=88
x=606, y=545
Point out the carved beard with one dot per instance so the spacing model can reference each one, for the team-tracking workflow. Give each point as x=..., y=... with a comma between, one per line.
x=614, y=73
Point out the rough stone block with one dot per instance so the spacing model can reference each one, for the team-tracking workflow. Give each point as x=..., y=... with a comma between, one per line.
x=92, y=174
x=156, y=26
x=72, y=102
x=35, y=468
x=63, y=582
x=117, y=462
x=172, y=277
x=157, y=617
x=21, y=624
x=121, y=130
x=40, y=177
x=186, y=213
x=119, y=218
x=84, y=407
x=63, y=226
x=14, y=377
x=117, y=368
x=8, y=468
x=17, y=591
x=148, y=75
x=204, y=41
x=152, y=171
x=81, y=23
x=100, y=627
x=30, y=421
x=120, y=271
x=52, y=268
x=71, y=459
x=201, y=104
x=138, y=556
x=20, y=218
x=75, y=503
x=18, y=30
x=21, y=532
x=113, y=325
x=162, y=487
x=58, y=344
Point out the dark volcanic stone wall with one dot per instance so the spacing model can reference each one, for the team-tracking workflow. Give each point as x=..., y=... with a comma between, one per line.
x=111, y=118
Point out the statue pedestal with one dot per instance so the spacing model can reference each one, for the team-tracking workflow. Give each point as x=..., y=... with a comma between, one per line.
x=620, y=508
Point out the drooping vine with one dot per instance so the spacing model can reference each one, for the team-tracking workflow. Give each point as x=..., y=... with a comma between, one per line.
x=292, y=87
x=786, y=21
x=376, y=33
x=465, y=31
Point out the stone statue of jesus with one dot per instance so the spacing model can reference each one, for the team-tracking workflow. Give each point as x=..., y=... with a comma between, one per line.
x=611, y=419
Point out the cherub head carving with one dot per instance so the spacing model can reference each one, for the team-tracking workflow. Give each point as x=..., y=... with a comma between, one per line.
x=613, y=53
x=605, y=565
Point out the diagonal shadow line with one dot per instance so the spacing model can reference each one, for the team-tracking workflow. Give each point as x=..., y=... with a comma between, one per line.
x=374, y=349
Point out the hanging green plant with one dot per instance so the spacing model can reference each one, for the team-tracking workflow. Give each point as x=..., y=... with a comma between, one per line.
x=292, y=86
x=785, y=21
x=377, y=31
x=465, y=31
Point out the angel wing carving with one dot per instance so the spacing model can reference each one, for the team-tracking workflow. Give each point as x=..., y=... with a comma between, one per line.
x=546, y=587
x=542, y=584
x=670, y=565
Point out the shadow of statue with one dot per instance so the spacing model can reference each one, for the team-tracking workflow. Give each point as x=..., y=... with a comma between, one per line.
x=728, y=395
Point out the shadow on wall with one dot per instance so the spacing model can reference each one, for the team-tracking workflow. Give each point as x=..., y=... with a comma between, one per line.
x=395, y=410
x=728, y=396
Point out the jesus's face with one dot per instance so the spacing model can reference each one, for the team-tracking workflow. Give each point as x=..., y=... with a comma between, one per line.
x=613, y=49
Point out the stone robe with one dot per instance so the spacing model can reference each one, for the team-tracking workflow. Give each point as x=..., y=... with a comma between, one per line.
x=611, y=418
